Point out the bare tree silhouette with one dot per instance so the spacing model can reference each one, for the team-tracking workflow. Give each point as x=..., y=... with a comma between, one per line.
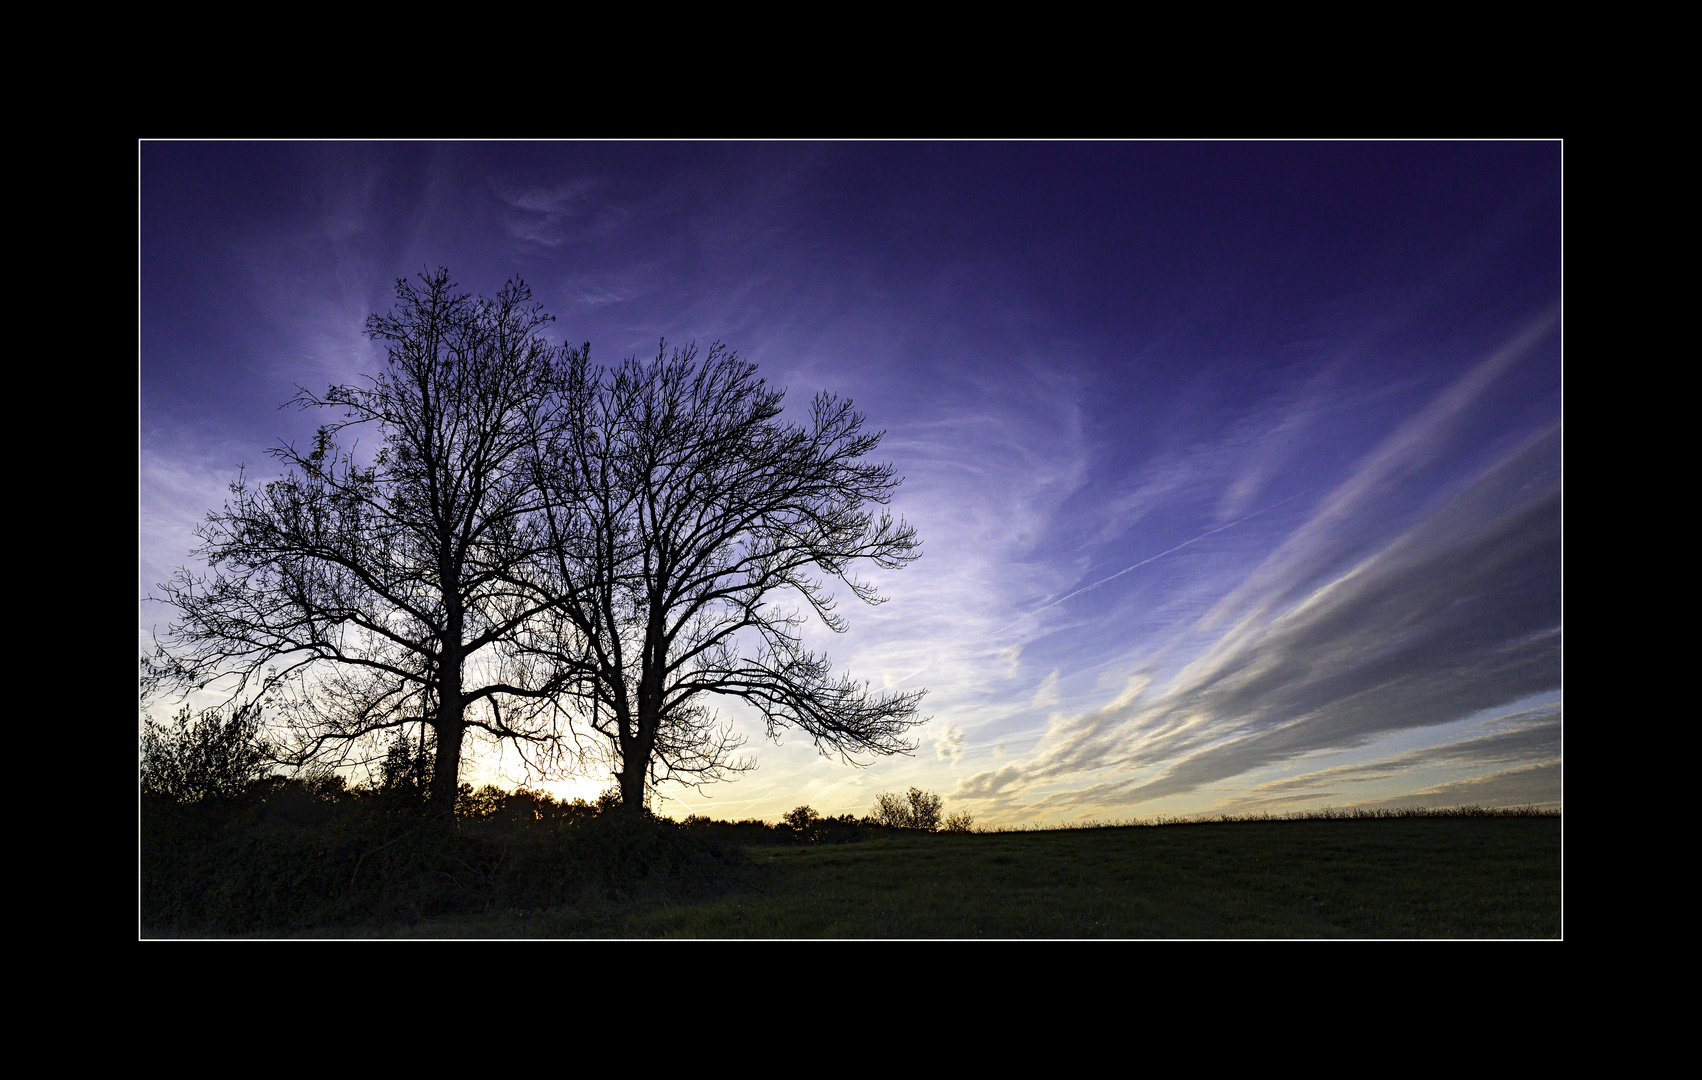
x=379, y=596
x=539, y=541
x=679, y=509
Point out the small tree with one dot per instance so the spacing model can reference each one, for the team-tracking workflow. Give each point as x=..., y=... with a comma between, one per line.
x=917, y=810
x=801, y=818
x=217, y=754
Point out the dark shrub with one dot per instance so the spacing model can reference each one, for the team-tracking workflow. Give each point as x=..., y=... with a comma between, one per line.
x=917, y=810
x=289, y=861
x=215, y=754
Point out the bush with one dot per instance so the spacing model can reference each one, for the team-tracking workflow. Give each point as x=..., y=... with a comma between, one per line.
x=962, y=821
x=226, y=869
x=917, y=810
x=216, y=755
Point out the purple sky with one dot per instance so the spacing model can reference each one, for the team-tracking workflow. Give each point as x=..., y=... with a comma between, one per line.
x=1237, y=465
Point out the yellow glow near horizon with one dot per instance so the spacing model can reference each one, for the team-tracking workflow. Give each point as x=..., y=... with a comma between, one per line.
x=577, y=788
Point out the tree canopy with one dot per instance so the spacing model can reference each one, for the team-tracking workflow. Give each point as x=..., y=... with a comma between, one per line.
x=682, y=514
x=386, y=594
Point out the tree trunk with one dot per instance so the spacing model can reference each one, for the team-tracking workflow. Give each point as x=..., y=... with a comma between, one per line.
x=446, y=770
x=632, y=787
x=451, y=707
x=635, y=753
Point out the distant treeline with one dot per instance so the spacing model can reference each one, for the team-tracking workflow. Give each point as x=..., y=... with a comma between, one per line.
x=1328, y=813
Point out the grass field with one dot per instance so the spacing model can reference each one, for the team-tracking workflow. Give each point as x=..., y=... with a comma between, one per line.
x=1465, y=877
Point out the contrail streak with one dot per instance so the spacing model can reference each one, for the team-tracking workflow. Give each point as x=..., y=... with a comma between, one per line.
x=1153, y=558
x=1125, y=570
x=745, y=805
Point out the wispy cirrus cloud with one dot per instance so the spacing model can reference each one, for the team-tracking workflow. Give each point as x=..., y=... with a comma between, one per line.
x=540, y=214
x=1506, y=745
x=1458, y=613
x=1408, y=449
x=1531, y=785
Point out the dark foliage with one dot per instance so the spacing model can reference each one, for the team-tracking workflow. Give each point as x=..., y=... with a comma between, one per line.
x=406, y=770
x=844, y=829
x=800, y=818
x=296, y=855
x=217, y=754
